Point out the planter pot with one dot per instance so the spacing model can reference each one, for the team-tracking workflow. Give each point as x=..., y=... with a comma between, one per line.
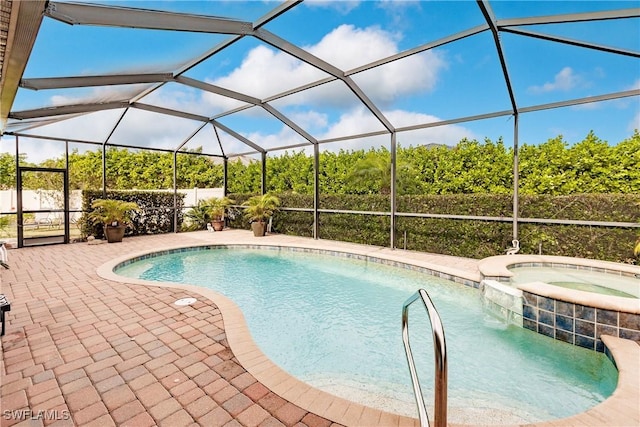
x=114, y=234
x=259, y=228
x=218, y=224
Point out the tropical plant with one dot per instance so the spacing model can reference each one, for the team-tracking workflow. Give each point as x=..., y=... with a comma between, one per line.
x=112, y=212
x=261, y=208
x=198, y=216
x=217, y=207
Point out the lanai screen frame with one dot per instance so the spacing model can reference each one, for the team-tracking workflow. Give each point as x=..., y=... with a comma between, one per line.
x=91, y=14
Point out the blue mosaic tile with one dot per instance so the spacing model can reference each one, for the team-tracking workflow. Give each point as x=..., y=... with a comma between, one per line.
x=588, y=329
x=545, y=303
x=630, y=321
x=607, y=317
x=599, y=346
x=530, y=324
x=546, y=330
x=529, y=312
x=564, y=323
x=585, y=313
x=546, y=317
x=630, y=334
x=565, y=308
x=565, y=336
x=585, y=342
x=606, y=330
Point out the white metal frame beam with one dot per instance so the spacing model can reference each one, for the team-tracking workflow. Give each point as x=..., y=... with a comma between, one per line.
x=572, y=17
x=67, y=109
x=110, y=16
x=571, y=42
x=88, y=81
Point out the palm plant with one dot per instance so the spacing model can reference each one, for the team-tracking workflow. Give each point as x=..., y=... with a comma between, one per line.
x=111, y=212
x=373, y=174
x=199, y=216
x=217, y=207
x=114, y=215
x=258, y=211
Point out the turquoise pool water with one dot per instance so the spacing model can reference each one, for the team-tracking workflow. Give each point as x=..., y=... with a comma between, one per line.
x=335, y=323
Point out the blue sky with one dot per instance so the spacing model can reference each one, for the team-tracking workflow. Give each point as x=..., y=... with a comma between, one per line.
x=456, y=80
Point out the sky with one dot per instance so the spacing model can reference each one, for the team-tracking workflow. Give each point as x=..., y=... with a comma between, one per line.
x=456, y=80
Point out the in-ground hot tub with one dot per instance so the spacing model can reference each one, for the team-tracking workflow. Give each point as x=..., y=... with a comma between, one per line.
x=579, y=278
x=574, y=300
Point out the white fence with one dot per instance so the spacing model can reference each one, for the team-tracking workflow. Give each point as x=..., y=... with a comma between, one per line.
x=34, y=200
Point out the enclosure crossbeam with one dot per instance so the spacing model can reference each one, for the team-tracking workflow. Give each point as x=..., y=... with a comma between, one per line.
x=111, y=16
x=88, y=81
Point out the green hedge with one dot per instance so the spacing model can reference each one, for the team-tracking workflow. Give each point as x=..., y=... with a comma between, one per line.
x=155, y=216
x=469, y=238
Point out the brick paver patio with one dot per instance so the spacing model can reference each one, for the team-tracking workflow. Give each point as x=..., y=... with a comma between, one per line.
x=81, y=350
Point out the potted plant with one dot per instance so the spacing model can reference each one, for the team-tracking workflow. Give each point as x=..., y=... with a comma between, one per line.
x=258, y=211
x=217, y=209
x=114, y=215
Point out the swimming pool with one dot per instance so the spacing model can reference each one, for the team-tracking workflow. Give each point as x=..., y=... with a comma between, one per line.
x=344, y=310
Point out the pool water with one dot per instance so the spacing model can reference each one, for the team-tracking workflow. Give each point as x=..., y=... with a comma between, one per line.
x=335, y=323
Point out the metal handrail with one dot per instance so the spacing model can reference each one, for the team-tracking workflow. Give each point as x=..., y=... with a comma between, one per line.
x=440, y=352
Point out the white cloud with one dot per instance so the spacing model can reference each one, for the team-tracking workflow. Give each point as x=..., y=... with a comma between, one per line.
x=357, y=46
x=356, y=121
x=265, y=71
x=179, y=98
x=564, y=81
x=342, y=6
x=359, y=121
x=311, y=121
x=635, y=85
x=146, y=129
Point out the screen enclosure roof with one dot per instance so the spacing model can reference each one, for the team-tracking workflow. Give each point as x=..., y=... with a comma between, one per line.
x=243, y=78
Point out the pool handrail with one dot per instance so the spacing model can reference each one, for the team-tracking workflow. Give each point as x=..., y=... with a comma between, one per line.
x=440, y=353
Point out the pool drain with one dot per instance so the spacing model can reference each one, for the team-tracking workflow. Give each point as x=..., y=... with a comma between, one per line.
x=185, y=301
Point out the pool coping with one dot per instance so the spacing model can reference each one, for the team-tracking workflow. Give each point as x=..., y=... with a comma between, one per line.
x=620, y=408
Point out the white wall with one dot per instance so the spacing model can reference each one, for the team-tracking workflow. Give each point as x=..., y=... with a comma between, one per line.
x=48, y=199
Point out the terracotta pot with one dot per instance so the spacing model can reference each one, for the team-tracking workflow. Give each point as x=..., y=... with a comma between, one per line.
x=114, y=234
x=259, y=228
x=218, y=224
